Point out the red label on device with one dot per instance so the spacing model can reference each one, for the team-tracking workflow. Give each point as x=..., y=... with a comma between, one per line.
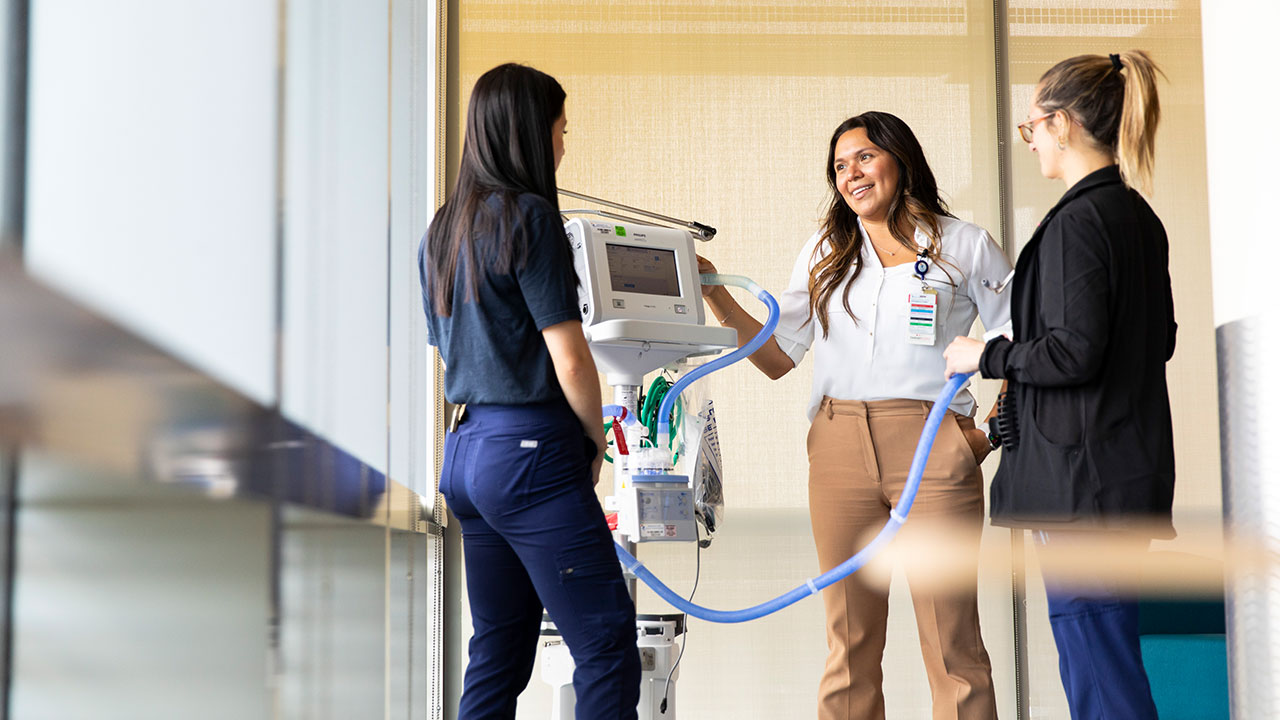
x=619, y=440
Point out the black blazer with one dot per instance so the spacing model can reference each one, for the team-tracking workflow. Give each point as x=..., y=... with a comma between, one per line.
x=1093, y=327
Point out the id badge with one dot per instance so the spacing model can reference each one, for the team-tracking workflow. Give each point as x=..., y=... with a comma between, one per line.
x=922, y=317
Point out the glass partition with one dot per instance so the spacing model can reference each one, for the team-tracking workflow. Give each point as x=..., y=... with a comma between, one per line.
x=721, y=113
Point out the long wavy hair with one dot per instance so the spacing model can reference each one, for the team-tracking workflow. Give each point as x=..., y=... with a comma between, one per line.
x=915, y=204
x=507, y=151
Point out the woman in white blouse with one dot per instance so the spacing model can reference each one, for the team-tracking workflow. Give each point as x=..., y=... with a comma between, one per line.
x=888, y=276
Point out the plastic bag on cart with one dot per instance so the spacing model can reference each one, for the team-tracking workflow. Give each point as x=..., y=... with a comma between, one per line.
x=700, y=460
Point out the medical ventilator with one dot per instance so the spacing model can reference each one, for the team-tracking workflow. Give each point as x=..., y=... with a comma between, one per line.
x=640, y=296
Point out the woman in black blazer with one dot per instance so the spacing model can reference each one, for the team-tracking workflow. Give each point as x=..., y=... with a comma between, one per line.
x=1090, y=452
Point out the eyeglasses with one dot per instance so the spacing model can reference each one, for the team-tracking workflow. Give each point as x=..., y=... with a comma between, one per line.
x=1027, y=129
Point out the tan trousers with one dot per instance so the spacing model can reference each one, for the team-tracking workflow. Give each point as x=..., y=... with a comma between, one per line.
x=859, y=455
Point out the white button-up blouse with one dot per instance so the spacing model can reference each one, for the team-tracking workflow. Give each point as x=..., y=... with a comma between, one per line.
x=869, y=358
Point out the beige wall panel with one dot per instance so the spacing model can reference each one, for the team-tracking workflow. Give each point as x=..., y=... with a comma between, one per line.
x=731, y=129
x=722, y=112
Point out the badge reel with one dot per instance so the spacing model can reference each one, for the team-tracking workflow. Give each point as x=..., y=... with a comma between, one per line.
x=922, y=308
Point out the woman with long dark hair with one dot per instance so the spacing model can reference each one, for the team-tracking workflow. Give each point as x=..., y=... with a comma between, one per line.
x=888, y=275
x=524, y=453
x=1092, y=459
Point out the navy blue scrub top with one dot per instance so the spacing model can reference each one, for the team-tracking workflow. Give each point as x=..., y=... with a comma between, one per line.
x=492, y=342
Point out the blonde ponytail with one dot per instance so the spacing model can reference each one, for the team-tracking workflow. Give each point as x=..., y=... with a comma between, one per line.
x=1114, y=99
x=1139, y=116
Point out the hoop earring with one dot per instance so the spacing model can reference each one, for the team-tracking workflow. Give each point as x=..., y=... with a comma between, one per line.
x=1062, y=145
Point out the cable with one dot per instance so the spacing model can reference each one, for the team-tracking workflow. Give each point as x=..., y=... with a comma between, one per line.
x=697, y=574
x=649, y=408
x=650, y=403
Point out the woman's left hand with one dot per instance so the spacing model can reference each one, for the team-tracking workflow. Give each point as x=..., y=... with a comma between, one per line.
x=962, y=355
x=706, y=267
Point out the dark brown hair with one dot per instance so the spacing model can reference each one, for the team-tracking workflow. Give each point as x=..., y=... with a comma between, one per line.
x=507, y=152
x=915, y=204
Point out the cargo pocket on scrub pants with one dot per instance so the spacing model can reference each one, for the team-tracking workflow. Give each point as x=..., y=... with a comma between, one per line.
x=597, y=596
x=501, y=472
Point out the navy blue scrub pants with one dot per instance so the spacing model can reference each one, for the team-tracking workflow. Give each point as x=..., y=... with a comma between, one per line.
x=534, y=536
x=1099, y=656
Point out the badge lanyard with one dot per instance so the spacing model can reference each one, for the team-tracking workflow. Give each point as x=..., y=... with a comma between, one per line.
x=922, y=307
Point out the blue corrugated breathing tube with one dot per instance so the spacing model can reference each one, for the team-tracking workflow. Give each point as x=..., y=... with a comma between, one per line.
x=897, y=516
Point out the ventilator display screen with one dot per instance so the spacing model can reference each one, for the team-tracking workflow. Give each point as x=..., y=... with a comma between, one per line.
x=651, y=271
